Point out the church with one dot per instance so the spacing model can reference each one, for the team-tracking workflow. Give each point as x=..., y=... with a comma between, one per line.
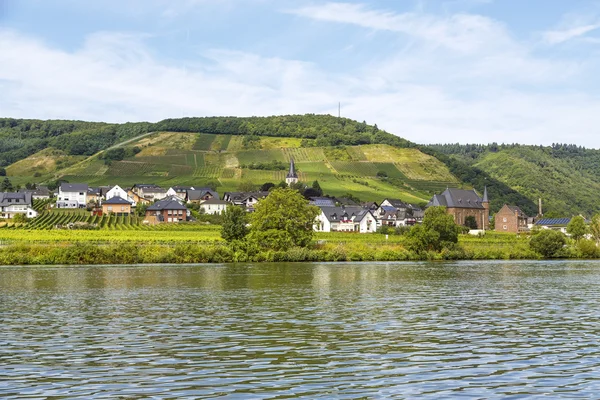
x=462, y=203
x=292, y=176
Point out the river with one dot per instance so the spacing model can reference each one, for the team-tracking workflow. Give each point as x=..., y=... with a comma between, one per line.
x=354, y=330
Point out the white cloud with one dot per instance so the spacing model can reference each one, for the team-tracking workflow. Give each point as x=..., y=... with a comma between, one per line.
x=465, y=79
x=563, y=35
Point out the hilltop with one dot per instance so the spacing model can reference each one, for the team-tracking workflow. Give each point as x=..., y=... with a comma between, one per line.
x=345, y=156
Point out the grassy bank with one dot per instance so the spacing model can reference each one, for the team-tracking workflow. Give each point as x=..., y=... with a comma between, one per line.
x=75, y=247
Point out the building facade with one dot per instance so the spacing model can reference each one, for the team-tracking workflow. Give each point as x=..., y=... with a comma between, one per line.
x=510, y=219
x=72, y=195
x=462, y=204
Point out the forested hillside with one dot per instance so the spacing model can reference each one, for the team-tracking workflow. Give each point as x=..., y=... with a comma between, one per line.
x=41, y=151
x=565, y=177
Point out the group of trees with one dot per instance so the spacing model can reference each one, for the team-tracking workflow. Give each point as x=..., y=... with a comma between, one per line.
x=282, y=220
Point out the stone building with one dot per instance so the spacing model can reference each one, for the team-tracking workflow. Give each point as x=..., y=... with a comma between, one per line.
x=510, y=219
x=462, y=203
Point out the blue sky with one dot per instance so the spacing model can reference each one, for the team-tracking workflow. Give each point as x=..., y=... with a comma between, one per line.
x=469, y=71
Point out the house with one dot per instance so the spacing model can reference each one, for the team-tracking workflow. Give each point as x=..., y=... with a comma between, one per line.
x=72, y=195
x=417, y=214
x=511, y=219
x=200, y=195
x=149, y=191
x=462, y=204
x=117, y=191
x=398, y=204
x=117, y=206
x=93, y=195
x=345, y=219
x=214, y=206
x=12, y=204
x=558, y=224
x=244, y=199
x=39, y=193
x=179, y=191
x=370, y=205
x=137, y=199
x=167, y=210
x=292, y=176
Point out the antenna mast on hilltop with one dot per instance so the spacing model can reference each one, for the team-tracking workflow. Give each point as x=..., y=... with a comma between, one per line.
x=339, y=109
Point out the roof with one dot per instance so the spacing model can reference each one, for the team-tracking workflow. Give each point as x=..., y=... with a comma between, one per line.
x=39, y=191
x=457, y=198
x=553, y=221
x=181, y=189
x=200, y=193
x=516, y=210
x=335, y=214
x=397, y=203
x=116, y=200
x=15, y=198
x=215, y=201
x=167, y=204
x=292, y=173
x=146, y=186
x=322, y=202
x=73, y=187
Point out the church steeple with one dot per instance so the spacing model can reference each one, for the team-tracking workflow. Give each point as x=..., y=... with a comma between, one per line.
x=292, y=176
x=485, y=195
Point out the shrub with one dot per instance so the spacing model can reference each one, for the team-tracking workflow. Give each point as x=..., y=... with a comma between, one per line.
x=548, y=242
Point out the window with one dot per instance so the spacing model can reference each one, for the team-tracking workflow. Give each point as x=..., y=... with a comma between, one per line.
x=122, y=208
x=504, y=227
x=81, y=193
x=169, y=212
x=180, y=212
x=110, y=209
x=170, y=220
x=504, y=220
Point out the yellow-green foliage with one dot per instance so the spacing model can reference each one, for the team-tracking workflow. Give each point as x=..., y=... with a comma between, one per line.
x=267, y=142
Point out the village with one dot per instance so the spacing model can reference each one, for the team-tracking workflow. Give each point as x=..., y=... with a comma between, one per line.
x=337, y=214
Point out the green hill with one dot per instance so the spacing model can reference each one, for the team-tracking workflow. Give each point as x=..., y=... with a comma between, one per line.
x=345, y=156
x=565, y=177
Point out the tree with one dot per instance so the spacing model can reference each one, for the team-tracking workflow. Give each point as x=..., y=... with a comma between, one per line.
x=577, y=228
x=437, y=231
x=547, y=242
x=471, y=222
x=382, y=174
x=140, y=209
x=317, y=188
x=20, y=218
x=282, y=220
x=595, y=228
x=234, y=223
x=2, y=172
x=267, y=186
x=6, y=185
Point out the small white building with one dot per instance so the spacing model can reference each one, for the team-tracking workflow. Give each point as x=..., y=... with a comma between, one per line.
x=117, y=191
x=292, y=176
x=179, y=191
x=214, y=206
x=345, y=219
x=72, y=195
x=12, y=204
x=149, y=191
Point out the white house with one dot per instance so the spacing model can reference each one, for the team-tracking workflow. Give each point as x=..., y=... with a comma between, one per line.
x=149, y=191
x=179, y=191
x=72, y=195
x=345, y=219
x=12, y=204
x=117, y=191
x=214, y=206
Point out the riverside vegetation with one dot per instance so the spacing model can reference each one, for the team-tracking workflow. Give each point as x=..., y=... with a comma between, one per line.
x=280, y=230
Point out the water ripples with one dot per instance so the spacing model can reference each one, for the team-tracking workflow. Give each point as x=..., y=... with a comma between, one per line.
x=397, y=330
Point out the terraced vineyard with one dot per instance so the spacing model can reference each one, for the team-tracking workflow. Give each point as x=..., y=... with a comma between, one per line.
x=171, y=158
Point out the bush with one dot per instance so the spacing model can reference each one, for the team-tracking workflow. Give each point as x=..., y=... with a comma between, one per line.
x=548, y=242
x=588, y=249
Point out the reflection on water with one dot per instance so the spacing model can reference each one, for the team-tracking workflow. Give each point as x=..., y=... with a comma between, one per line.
x=431, y=330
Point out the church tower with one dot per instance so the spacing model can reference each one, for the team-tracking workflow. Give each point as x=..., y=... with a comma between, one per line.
x=292, y=176
x=486, y=205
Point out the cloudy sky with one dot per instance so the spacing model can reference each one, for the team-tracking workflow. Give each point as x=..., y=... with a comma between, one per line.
x=428, y=70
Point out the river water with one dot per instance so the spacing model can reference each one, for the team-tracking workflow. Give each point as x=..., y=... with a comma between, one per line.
x=364, y=330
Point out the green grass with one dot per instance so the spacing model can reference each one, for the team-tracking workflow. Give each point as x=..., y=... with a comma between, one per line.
x=304, y=154
x=250, y=156
x=358, y=169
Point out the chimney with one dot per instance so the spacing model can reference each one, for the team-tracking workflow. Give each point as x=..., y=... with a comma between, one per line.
x=540, y=207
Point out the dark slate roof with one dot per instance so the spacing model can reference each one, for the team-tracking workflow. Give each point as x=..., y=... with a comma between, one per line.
x=517, y=210
x=457, y=198
x=322, y=202
x=335, y=214
x=292, y=172
x=39, y=191
x=74, y=187
x=200, y=193
x=116, y=200
x=397, y=203
x=166, y=204
x=553, y=221
x=15, y=198
x=181, y=189
x=146, y=186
